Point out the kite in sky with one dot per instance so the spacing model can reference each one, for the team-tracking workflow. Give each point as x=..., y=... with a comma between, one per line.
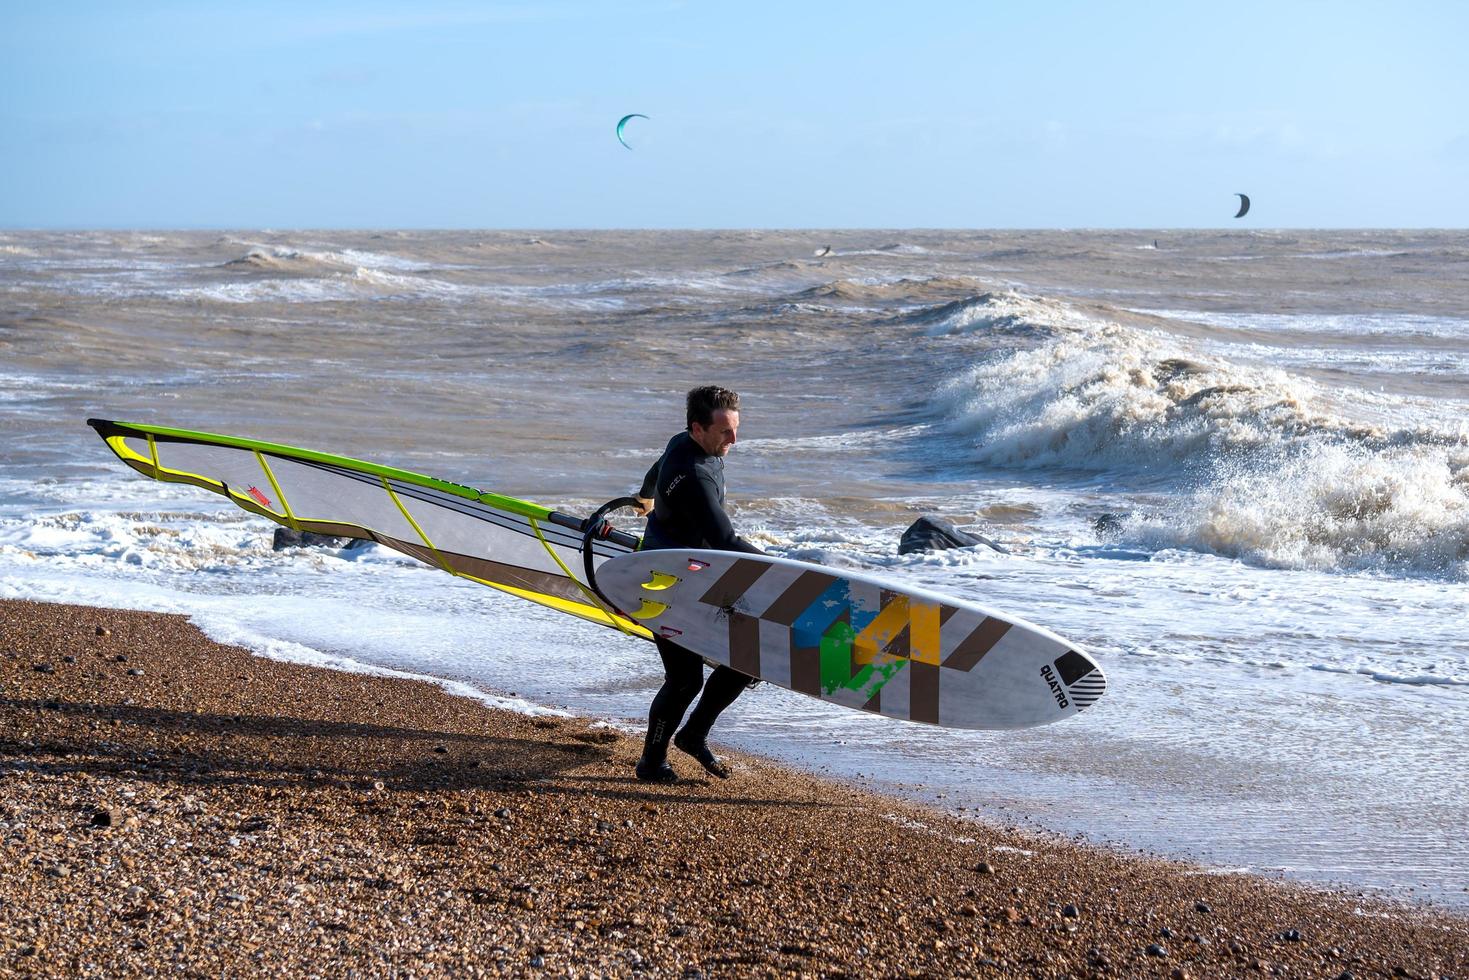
x=623, y=122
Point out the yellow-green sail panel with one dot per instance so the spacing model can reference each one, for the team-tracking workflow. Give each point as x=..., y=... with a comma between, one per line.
x=511, y=545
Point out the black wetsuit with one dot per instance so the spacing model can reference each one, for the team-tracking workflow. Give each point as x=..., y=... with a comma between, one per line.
x=686, y=485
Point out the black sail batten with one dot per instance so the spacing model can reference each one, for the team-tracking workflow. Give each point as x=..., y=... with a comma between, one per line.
x=594, y=528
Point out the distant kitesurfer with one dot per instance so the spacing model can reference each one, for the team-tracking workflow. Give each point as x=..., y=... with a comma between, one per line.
x=683, y=498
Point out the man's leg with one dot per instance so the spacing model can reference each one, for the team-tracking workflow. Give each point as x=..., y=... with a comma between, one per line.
x=683, y=673
x=720, y=691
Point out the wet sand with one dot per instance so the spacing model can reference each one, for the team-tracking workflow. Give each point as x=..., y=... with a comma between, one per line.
x=171, y=804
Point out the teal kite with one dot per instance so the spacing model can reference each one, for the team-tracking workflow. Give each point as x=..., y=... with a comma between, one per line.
x=623, y=122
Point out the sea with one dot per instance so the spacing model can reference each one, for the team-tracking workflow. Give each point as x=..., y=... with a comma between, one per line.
x=1231, y=465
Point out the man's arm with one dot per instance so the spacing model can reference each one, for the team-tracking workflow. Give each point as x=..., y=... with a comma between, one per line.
x=648, y=489
x=700, y=500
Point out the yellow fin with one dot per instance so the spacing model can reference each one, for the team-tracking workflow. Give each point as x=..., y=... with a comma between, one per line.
x=650, y=609
x=660, y=581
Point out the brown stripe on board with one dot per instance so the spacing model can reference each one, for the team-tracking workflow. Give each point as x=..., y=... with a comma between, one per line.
x=945, y=612
x=923, y=692
x=736, y=579
x=972, y=648
x=874, y=703
x=805, y=668
x=797, y=596
x=899, y=645
x=744, y=644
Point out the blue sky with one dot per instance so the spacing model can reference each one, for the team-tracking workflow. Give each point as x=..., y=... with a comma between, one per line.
x=763, y=115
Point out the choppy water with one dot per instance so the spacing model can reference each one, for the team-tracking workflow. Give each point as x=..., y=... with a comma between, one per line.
x=1275, y=421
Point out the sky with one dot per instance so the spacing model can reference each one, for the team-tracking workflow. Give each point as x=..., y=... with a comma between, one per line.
x=913, y=114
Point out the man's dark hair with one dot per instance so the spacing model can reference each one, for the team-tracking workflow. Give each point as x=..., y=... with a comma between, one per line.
x=704, y=401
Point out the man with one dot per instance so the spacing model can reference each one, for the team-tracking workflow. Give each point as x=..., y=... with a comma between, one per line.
x=683, y=496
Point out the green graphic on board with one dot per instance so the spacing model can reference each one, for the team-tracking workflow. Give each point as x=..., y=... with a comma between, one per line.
x=836, y=664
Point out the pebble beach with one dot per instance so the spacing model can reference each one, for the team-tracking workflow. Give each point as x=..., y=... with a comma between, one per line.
x=172, y=805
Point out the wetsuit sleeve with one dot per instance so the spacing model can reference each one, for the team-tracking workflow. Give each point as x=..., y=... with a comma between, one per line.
x=650, y=482
x=708, y=516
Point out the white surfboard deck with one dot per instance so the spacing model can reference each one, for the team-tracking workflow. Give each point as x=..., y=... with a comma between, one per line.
x=855, y=640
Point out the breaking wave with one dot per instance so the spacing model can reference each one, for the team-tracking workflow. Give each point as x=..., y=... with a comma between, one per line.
x=1004, y=312
x=1261, y=465
x=879, y=290
x=1113, y=398
x=344, y=285
x=293, y=262
x=1328, y=507
x=284, y=261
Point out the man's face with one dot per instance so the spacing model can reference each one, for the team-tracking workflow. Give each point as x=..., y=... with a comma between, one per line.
x=716, y=437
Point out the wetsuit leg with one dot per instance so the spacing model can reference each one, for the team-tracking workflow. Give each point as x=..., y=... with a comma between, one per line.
x=683, y=674
x=720, y=691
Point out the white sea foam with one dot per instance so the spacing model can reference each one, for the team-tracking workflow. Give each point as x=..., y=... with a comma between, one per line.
x=1113, y=398
x=1328, y=506
x=1358, y=326
x=1278, y=478
x=162, y=541
x=325, y=259
x=64, y=575
x=329, y=284
x=1361, y=253
x=1431, y=679
x=357, y=284
x=893, y=248
x=375, y=260
x=1004, y=312
x=890, y=288
x=16, y=389
x=834, y=442
x=1384, y=365
x=124, y=268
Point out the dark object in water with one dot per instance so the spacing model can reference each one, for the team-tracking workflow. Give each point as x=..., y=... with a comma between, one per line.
x=936, y=534
x=287, y=538
x=1108, y=524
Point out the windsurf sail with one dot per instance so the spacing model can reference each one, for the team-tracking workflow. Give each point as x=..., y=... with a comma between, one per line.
x=511, y=545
